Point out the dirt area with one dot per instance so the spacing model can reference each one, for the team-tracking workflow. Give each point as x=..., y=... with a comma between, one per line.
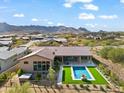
x=43, y=89
x=117, y=68
x=64, y=88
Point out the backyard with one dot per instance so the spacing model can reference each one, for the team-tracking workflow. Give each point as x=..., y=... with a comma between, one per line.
x=67, y=79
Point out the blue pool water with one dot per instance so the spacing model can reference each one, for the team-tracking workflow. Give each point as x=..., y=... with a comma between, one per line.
x=79, y=71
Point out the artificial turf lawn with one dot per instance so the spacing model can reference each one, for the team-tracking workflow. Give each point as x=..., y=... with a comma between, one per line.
x=67, y=79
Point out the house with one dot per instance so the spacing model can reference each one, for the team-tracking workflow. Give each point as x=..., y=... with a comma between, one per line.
x=5, y=41
x=63, y=40
x=42, y=58
x=8, y=58
x=4, y=48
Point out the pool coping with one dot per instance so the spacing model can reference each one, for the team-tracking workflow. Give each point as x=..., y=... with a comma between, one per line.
x=73, y=77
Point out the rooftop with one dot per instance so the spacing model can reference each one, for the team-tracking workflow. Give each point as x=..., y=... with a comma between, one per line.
x=5, y=42
x=3, y=48
x=15, y=51
x=51, y=52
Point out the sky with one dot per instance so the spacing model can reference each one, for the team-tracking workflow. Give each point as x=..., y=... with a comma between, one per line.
x=92, y=14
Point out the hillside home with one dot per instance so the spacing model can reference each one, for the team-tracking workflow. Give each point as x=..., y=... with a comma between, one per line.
x=43, y=57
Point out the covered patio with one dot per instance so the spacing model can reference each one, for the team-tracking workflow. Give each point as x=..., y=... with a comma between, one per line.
x=74, y=60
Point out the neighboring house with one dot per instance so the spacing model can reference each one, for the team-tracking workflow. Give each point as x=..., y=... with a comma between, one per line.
x=63, y=40
x=5, y=41
x=9, y=58
x=43, y=57
x=94, y=37
x=37, y=37
x=4, y=48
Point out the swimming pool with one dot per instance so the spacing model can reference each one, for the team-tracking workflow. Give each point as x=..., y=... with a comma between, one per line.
x=78, y=71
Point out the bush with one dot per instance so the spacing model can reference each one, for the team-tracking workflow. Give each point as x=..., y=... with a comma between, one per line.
x=13, y=73
x=3, y=76
x=102, y=88
x=51, y=75
x=81, y=85
x=104, y=52
x=108, y=86
x=116, y=55
x=8, y=75
x=38, y=76
x=56, y=65
x=95, y=86
x=20, y=72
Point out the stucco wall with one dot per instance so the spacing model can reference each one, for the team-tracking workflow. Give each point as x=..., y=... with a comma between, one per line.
x=29, y=67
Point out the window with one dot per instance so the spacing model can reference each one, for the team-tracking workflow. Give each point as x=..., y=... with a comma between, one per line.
x=41, y=66
x=47, y=66
x=25, y=62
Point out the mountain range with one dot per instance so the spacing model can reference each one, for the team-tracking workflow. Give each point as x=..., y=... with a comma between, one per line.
x=4, y=27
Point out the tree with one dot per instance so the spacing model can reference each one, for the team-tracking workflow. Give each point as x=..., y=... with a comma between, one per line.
x=38, y=76
x=20, y=72
x=51, y=75
x=56, y=65
x=13, y=39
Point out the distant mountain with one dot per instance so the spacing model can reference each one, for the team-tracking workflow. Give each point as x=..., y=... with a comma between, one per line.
x=4, y=27
x=83, y=29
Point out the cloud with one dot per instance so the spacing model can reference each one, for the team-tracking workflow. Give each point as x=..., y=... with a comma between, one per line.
x=122, y=1
x=86, y=16
x=49, y=23
x=108, y=16
x=3, y=7
x=69, y=3
x=19, y=15
x=91, y=7
x=60, y=24
x=34, y=19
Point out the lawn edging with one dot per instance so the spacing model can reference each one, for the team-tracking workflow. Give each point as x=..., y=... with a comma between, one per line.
x=103, y=76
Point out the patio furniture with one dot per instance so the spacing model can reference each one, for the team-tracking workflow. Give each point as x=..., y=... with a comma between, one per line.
x=25, y=77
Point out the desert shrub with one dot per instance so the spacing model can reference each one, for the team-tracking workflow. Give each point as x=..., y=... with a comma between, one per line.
x=3, y=76
x=116, y=55
x=20, y=72
x=104, y=52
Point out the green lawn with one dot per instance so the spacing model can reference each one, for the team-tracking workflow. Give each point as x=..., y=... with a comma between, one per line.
x=67, y=79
